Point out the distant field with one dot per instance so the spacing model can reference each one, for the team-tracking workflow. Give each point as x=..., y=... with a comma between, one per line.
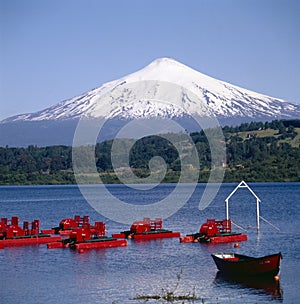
x=272, y=133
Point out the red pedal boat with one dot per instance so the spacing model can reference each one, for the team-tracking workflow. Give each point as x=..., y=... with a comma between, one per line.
x=241, y=265
x=89, y=237
x=214, y=231
x=11, y=234
x=67, y=225
x=146, y=230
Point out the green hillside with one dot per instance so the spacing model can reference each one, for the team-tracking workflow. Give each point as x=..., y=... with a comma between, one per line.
x=256, y=152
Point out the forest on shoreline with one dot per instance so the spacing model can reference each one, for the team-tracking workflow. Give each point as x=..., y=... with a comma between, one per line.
x=255, y=152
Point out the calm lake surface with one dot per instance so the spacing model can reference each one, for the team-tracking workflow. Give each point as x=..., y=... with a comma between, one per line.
x=117, y=275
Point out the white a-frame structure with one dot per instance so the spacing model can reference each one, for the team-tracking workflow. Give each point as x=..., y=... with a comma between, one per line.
x=242, y=184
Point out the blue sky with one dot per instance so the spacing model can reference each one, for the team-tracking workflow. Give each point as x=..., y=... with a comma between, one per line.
x=52, y=50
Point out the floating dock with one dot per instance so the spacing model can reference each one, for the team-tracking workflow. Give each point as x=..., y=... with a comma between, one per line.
x=11, y=234
x=213, y=231
x=147, y=229
x=89, y=237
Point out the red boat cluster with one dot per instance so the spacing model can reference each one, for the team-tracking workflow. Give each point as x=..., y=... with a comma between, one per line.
x=78, y=233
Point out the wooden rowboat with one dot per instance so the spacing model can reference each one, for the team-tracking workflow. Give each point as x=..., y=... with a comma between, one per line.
x=242, y=265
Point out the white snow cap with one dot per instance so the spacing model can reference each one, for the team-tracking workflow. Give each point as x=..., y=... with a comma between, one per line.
x=214, y=97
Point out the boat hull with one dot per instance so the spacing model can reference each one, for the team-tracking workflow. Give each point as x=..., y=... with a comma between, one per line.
x=228, y=238
x=221, y=238
x=156, y=234
x=101, y=244
x=89, y=244
x=29, y=241
x=241, y=265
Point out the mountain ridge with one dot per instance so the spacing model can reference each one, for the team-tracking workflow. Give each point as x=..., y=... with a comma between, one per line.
x=163, y=89
x=219, y=97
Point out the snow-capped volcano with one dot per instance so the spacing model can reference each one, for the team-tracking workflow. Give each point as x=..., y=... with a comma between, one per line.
x=163, y=89
x=139, y=95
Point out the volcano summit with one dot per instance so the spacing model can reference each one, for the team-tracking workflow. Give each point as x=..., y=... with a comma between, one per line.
x=214, y=98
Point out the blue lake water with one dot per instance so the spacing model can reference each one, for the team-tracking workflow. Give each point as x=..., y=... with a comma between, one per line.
x=117, y=275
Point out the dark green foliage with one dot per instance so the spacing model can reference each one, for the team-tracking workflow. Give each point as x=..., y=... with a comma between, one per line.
x=33, y=165
x=254, y=158
x=148, y=147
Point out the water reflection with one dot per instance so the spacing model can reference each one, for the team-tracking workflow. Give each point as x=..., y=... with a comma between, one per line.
x=261, y=285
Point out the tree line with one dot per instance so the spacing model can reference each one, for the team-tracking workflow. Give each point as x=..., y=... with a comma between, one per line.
x=252, y=153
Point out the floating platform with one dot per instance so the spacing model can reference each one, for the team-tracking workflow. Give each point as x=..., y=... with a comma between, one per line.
x=101, y=243
x=29, y=240
x=91, y=237
x=48, y=231
x=148, y=235
x=215, y=232
x=221, y=238
x=146, y=230
x=67, y=225
x=104, y=242
x=234, y=237
x=65, y=232
x=11, y=234
x=156, y=235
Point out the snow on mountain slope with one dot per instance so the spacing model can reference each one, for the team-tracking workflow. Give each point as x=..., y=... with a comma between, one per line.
x=214, y=97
